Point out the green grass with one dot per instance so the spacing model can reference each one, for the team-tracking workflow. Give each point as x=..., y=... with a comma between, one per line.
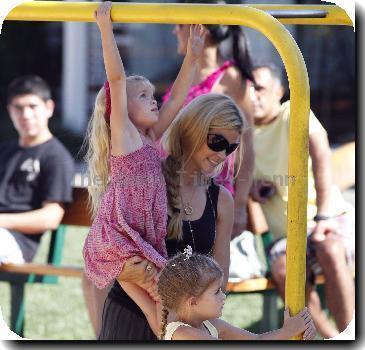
x=58, y=311
x=55, y=311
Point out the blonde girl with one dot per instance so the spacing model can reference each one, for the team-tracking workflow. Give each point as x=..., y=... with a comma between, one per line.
x=200, y=212
x=128, y=196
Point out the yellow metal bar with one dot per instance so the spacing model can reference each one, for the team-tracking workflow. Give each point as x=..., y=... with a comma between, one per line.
x=163, y=13
x=335, y=14
x=299, y=94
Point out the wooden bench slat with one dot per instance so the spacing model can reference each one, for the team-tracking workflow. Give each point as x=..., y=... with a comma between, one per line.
x=43, y=269
x=76, y=213
x=260, y=284
x=251, y=285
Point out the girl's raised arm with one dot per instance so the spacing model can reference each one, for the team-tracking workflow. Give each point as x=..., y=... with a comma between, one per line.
x=124, y=135
x=145, y=303
x=183, y=81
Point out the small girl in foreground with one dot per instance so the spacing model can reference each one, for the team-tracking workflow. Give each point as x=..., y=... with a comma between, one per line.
x=129, y=201
x=190, y=287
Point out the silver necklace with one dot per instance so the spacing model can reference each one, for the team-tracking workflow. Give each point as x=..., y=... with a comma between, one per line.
x=188, y=209
x=215, y=226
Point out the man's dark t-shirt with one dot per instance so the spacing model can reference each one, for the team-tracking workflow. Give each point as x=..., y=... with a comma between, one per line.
x=34, y=175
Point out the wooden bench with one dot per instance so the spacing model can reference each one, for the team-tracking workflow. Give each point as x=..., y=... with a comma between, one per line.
x=76, y=214
x=19, y=274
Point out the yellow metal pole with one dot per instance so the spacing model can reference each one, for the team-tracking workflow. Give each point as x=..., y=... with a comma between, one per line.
x=335, y=14
x=167, y=13
x=299, y=94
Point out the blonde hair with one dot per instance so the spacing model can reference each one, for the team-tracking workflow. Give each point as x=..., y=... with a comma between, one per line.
x=98, y=144
x=191, y=127
x=98, y=152
x=182, y=278
x=138, y=78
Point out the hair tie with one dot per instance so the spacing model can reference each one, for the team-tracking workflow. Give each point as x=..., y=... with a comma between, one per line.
x=108, y=102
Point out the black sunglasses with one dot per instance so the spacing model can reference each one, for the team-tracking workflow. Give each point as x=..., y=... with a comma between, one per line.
x=218, y=143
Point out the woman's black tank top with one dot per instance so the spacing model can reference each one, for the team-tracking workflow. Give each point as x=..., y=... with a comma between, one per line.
x=204, y=231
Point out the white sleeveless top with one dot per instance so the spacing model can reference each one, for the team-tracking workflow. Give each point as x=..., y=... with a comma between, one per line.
x=173, y=326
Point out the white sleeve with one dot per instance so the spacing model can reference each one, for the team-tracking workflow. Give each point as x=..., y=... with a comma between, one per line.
x=314, y=124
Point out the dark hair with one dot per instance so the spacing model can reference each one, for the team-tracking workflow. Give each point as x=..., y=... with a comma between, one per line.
x=240, y=46
x=29, y=85
x=275, y=71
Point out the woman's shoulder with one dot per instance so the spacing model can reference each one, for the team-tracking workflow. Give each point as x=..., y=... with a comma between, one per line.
x=232, y=77
x=232, y=84
x=225, y=196
x=225, y=201
x=220, y=193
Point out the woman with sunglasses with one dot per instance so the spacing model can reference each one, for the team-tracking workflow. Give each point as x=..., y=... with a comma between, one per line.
x=232, y=77
x=208, y=129
x=200, y=212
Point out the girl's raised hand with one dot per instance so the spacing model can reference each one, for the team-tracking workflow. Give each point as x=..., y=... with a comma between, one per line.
x=102, y=15
x=302, y=322
x=196, y=41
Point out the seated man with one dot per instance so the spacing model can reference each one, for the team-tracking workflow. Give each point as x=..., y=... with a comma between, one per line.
x=35, y=175
x=330, y=226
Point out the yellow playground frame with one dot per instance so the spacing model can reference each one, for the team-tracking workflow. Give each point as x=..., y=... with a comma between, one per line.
x=260, y=18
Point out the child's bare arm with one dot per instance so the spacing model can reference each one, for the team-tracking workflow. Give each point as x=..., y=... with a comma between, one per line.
x=183, y=81
x=191, y=333
x=293, y=326
x=124, y=135
x=145, y=303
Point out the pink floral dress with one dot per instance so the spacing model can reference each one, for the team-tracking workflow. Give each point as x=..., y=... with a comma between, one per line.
x=131, y=219
x=225, y=177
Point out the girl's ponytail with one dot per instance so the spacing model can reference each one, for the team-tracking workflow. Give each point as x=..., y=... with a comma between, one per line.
x=165, y=314
x=240, y=49
x=241, y=53
x=98, y=152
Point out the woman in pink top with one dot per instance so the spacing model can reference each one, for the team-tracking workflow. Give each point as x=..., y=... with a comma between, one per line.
x=128, y=198
x=233, y=78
